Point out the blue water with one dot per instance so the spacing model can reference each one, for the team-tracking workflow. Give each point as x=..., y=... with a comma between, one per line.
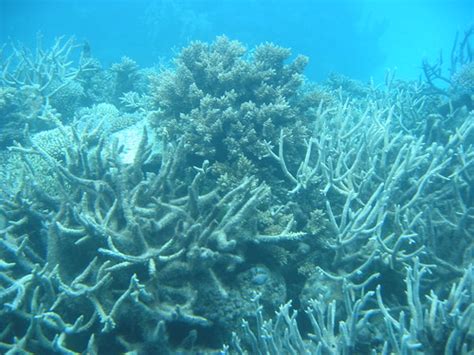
x=358, y=38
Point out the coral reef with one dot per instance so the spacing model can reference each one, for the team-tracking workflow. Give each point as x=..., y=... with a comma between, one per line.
x=224, y=102
x=463, y=80
x=38, y=88
x=154, y=219
x=37, y=85
x=443, y=327
x=460, y=77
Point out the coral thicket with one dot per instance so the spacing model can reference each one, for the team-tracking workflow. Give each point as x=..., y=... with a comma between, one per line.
x=224, y=203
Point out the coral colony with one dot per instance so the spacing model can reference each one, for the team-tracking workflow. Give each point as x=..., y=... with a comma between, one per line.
x=224, y=204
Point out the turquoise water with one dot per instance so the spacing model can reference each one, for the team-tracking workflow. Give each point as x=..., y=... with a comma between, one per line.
x=359, y=38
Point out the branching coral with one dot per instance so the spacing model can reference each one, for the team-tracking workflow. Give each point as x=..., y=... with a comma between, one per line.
x=440, y=326
x=229, y=178
x=226, y=102
x=459, y=78
x=175, y=246
x=49, y=70
x=44, y=82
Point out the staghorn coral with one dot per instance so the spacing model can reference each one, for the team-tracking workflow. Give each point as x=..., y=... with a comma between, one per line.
x=150, y=244
x=45, y=83
x=440, y=326
x=243, y=180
